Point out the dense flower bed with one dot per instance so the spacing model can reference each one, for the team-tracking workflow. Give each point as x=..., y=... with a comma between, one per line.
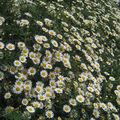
x=59, y=60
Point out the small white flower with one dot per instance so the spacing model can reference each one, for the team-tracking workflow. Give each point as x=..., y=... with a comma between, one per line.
x=66, y=108
x=30, y=109
x=10, y=46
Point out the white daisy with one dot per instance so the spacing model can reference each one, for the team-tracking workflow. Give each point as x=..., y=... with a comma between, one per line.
x=46, y=45
x=25, y=101
x=37, y=47
x=30, y=109
x=80, y=98
x=72, y=102
x=36, y=104
x=31, y=71
x=38, y=39
x=44, y=38
x=24, y=22
x=17, y=63
x=28, y=14
x=41, y=105
x=44, y=73
x=17, y=89
x=1, y=45
x=7, y=95
x=1, y=75
x=54, y=43
x=52, y=32
x=66, y=108
x=41, y=97
x=39, y=89
x=44, y=29
x=59, y=90
x=39, y=23
x=36, y=61
x=49, y=114
x=22, y=59
x=96, y=113
x=10, y=46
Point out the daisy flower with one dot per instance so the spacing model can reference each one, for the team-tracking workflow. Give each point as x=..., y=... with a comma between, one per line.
x=7, y=95
x=44, y=73
x=41, y=105
x=118, y=87
x=60, y=77
x=12, y=70
x=72, y=102
x=48, y=95
x=111, y=78
x=88, y=39
x=25, y=101
x=27, y=87
x=26, y=114
x=31, y=71
x=39, y=83
x=1, y=45
x=83, y=65
x=91, y=89
x=1, y=55
x=36, y=61
x=52, y=84
x=28, y=14
x=80, y=98
x=96, y=113
x=48, y=53
x=66, y=108
x=39, y=23
x=24, y=22
x=22, y=59
x=46, y=45
x=1, y=75
x=37, y=47
x=41, y=97
x=44, y=29
x=17, y=89
x=52, y=75
x=30, y=109
x=38, y=39
x=54, y=43
x=57, y=70
x=59, y=90
x=39, y=89
x=44, y=38
x=103, y=106
x=52, y=32
x=10, y=46
x=49, y=66
x=9, y=109
x=95, y=105
x=47, y=20
x=18, y=82
x=110, y=105
x=25, y=50
x=117, y=92
x=2, y=19
x=36, y=104
x=32, y=55
x=65, y=24
x=116, y=116
x=49, y=114
x=59, y=36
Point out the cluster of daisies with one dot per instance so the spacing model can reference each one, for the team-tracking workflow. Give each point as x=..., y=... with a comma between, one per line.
x=67, y=66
